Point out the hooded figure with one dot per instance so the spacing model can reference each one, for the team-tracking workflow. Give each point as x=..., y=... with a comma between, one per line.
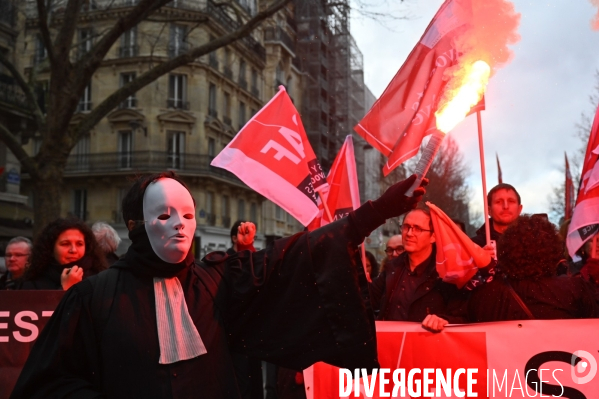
x=158, y=325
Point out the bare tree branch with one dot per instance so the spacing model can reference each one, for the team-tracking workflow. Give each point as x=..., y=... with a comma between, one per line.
x=42, y=13
x=65, y=35
x=148, y=77
x=14, y=145
x=35, y=110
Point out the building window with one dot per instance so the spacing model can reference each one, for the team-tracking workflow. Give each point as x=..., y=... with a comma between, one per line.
x=177, y=92
x=84, y=41
x=279, y=213
x=211, y=148
x=176, y=148
x=125, y=148
x=80, y=154
x=80, y=204
x=213, y=57
x=254, y=213
x=210, y=216
x=241, y=210
x=131, y=101
x=41, y=93
x=226, y=211
x=227, y=113
x=129, y=44
x=212, y=101
x=242, y=119
x=177, y=43
x=228, y=71
x=40, y=51
x=254, y=88
x=242, y=75
x=85, y=103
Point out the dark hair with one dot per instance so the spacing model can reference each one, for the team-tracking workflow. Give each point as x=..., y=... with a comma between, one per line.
x=427, y=211
x=530, y=249
x=132, y=204
x=235, y=228
x=502, y=186
x=374, y=265
x=43, y=248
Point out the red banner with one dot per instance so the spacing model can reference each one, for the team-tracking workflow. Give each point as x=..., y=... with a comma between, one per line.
x=515, y=359
x=273, y=156
x=23, y=314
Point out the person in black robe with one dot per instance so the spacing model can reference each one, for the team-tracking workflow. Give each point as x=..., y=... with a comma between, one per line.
x=302, y=300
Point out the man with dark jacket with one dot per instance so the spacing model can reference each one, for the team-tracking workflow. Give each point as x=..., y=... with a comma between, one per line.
x=504, y=207
x=409, y=289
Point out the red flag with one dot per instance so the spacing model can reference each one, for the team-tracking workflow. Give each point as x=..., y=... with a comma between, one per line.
x=272, y=155
x=585, y=217
x=458, y=258
x=499, y=174
x=343, y=194
x=405, y=112
x=568, y=192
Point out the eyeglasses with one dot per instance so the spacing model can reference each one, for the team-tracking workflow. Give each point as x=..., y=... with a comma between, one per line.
x=8, y=256
x=390, y=250
x=405, y=228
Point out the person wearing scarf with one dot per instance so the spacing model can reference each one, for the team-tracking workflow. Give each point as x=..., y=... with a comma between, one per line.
x=173, y=323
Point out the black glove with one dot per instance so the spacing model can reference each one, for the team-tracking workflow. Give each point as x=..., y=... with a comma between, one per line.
x=394, y=202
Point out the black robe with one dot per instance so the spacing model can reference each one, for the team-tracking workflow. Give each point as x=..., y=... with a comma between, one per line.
x=303, y=300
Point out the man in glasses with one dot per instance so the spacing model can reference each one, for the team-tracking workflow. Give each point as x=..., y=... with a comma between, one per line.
x=17, y=257
x=409, y=289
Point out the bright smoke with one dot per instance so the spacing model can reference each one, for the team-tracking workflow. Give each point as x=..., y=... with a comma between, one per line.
x=595, y=21
x=494, y=26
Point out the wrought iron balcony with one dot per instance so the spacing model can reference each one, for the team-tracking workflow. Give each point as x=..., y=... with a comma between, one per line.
x=12, y=94
x=145, y=161
x=227, y=120
x=278, y=35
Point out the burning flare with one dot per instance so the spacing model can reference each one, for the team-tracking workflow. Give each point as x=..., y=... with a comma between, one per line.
x=465, y=97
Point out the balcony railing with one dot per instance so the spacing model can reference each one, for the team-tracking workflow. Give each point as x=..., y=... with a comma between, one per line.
x=177, y=104
x=227, y=120
x=12, y=94
x=213, y=112
x=128, y=51
x=276, y=34
x=145, y=161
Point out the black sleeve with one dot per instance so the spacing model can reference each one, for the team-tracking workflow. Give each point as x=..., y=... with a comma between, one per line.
x=377, y=290
x=63, y=362
x=302, y=300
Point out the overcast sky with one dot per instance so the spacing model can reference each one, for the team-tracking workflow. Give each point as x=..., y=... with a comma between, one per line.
x=533, y=103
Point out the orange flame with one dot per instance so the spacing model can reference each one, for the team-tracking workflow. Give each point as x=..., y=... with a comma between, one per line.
x=465, y=97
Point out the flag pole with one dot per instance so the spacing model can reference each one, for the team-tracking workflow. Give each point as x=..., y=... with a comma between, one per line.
x=324, y=203
x=484, y=177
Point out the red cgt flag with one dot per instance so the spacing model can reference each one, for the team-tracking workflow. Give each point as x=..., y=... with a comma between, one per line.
x=272, y=155
x=343, y=194
x=458, y=258
x=585, y=217
x=405, y=112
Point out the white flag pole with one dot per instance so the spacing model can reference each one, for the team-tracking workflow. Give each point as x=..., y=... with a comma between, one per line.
x=484, y=177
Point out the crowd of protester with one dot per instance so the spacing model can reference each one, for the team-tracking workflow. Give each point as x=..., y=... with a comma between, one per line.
x=530, y=276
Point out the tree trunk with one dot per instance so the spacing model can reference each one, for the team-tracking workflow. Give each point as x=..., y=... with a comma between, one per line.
x=47, y=198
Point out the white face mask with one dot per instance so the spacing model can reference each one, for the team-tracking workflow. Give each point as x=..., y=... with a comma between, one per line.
x=169, y=216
